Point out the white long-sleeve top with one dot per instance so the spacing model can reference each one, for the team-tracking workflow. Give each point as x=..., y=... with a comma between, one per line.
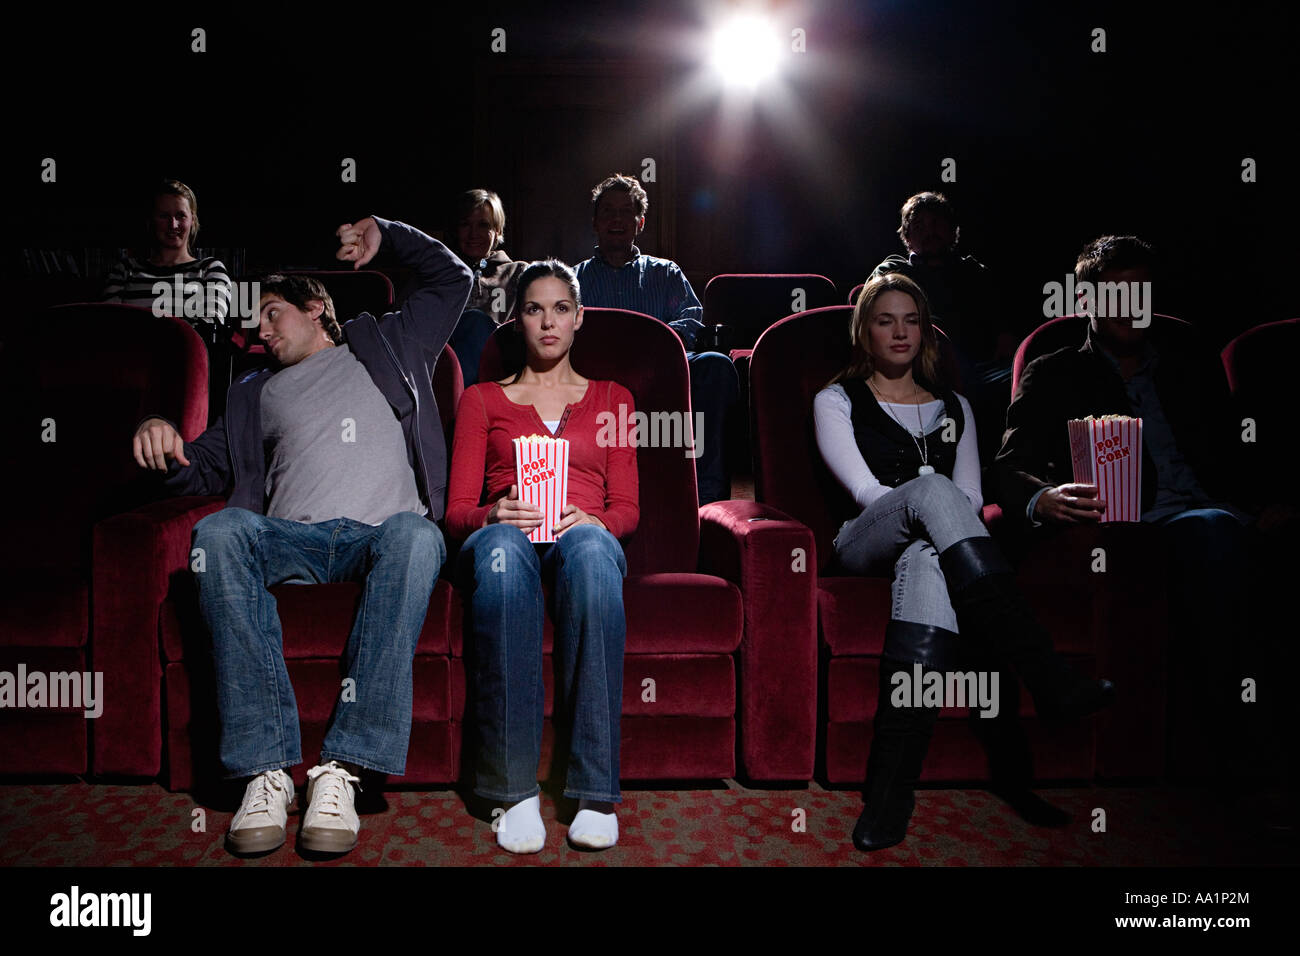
x=833, y=418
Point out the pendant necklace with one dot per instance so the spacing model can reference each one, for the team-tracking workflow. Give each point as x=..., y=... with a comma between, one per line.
x=922, y=446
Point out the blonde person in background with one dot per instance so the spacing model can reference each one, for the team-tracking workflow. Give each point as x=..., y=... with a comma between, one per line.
x=480, y=237
x=172, y=227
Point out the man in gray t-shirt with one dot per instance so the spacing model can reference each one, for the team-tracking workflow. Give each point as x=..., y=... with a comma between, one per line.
x=334, y=464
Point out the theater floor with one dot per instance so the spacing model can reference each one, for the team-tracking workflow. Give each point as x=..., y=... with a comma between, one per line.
x=723, y=824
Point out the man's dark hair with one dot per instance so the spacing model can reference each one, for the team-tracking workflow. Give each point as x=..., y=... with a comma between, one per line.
x=1109, y=253
x=628, y=184
x=936, y=203
x=298, y=291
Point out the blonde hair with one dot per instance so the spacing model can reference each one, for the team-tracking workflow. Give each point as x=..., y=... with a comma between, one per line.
x=474, y=198
x=925, y=367
x=174, y=187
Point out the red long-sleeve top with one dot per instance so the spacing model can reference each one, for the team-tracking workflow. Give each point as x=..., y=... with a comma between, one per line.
x=602, y=480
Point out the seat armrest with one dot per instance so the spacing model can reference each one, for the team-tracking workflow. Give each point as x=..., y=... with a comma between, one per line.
x=135, y=555
x=772, y=559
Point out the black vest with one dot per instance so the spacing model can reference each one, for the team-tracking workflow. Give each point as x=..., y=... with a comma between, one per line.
x=889, y=449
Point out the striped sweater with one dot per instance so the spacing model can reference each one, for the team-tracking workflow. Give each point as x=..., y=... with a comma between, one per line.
x=132, y=282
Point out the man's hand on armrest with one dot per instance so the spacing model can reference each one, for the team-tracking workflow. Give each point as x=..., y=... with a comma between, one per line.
x=155, y=441
x=1069, y=504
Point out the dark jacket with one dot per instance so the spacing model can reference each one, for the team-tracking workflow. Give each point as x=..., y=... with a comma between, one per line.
x=497, y=271
x=889, y=449
x=959, y=294
x=399, y=351
x=1077, y=382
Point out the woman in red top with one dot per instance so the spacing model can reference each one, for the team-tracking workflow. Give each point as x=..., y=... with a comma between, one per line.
x=502, y=571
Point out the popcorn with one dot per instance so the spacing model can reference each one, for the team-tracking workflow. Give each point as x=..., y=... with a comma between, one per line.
x=542, y=474
x=1106, y=451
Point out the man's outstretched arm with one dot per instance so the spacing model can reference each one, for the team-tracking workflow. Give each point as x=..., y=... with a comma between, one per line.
x=430, y=313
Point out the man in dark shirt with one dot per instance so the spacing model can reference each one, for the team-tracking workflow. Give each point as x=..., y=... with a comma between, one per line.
x=960, y=295
x=1192, y=481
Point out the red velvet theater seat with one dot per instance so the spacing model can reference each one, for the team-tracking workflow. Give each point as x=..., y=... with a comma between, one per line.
x=792, y=361
x=689, y=629
x=1259, y=363
x=353, y=291
x=155, y=630
x=748, y=304
x=76, y=380
x=718, y=599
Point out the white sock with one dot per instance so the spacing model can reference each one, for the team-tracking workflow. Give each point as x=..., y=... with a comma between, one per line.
x=593, y=830
x=520, y=829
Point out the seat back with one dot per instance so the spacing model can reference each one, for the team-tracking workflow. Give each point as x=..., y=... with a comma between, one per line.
x=1259, y=363
x=364, y=290
x=646, y=357
x=76, y=383
x=794, y=360
x=448, y=386
x=748, y=304
x=1056, y=334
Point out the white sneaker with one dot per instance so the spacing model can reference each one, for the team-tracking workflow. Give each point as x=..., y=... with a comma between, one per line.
x=259, y=823
x=330, y=824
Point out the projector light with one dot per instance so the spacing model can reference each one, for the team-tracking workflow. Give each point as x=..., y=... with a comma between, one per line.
x=745, y=51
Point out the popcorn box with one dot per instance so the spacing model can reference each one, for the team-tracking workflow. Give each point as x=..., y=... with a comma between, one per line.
x=1107, y=452
x=542, y=474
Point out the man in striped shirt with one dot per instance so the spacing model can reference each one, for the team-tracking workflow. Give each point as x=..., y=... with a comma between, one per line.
x=620, y=276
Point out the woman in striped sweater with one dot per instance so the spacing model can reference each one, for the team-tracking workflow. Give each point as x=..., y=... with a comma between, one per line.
x=173, y=226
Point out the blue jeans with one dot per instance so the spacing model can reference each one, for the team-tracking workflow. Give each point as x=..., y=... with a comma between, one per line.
x=502, y=571
x=468, y=340
x=715, y=388
x=1214, y=638
x=903, y=531
x=245, y=554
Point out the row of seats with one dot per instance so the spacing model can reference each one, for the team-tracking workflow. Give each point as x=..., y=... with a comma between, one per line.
x=743, y=653
x=745, y=303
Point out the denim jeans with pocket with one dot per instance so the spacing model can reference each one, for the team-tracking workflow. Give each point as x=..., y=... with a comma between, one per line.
x=244, y=554
x=501, y=572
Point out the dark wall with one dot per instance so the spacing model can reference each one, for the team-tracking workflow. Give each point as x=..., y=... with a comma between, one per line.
x=1054, y=144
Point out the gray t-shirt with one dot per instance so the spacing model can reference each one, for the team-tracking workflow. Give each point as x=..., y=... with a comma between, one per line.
x=334, y=448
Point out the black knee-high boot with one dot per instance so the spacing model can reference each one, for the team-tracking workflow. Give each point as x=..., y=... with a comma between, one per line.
x=901, y=734
x=988, y=602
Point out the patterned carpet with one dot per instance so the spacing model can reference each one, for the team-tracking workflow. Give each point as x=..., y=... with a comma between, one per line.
x=144, y=825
